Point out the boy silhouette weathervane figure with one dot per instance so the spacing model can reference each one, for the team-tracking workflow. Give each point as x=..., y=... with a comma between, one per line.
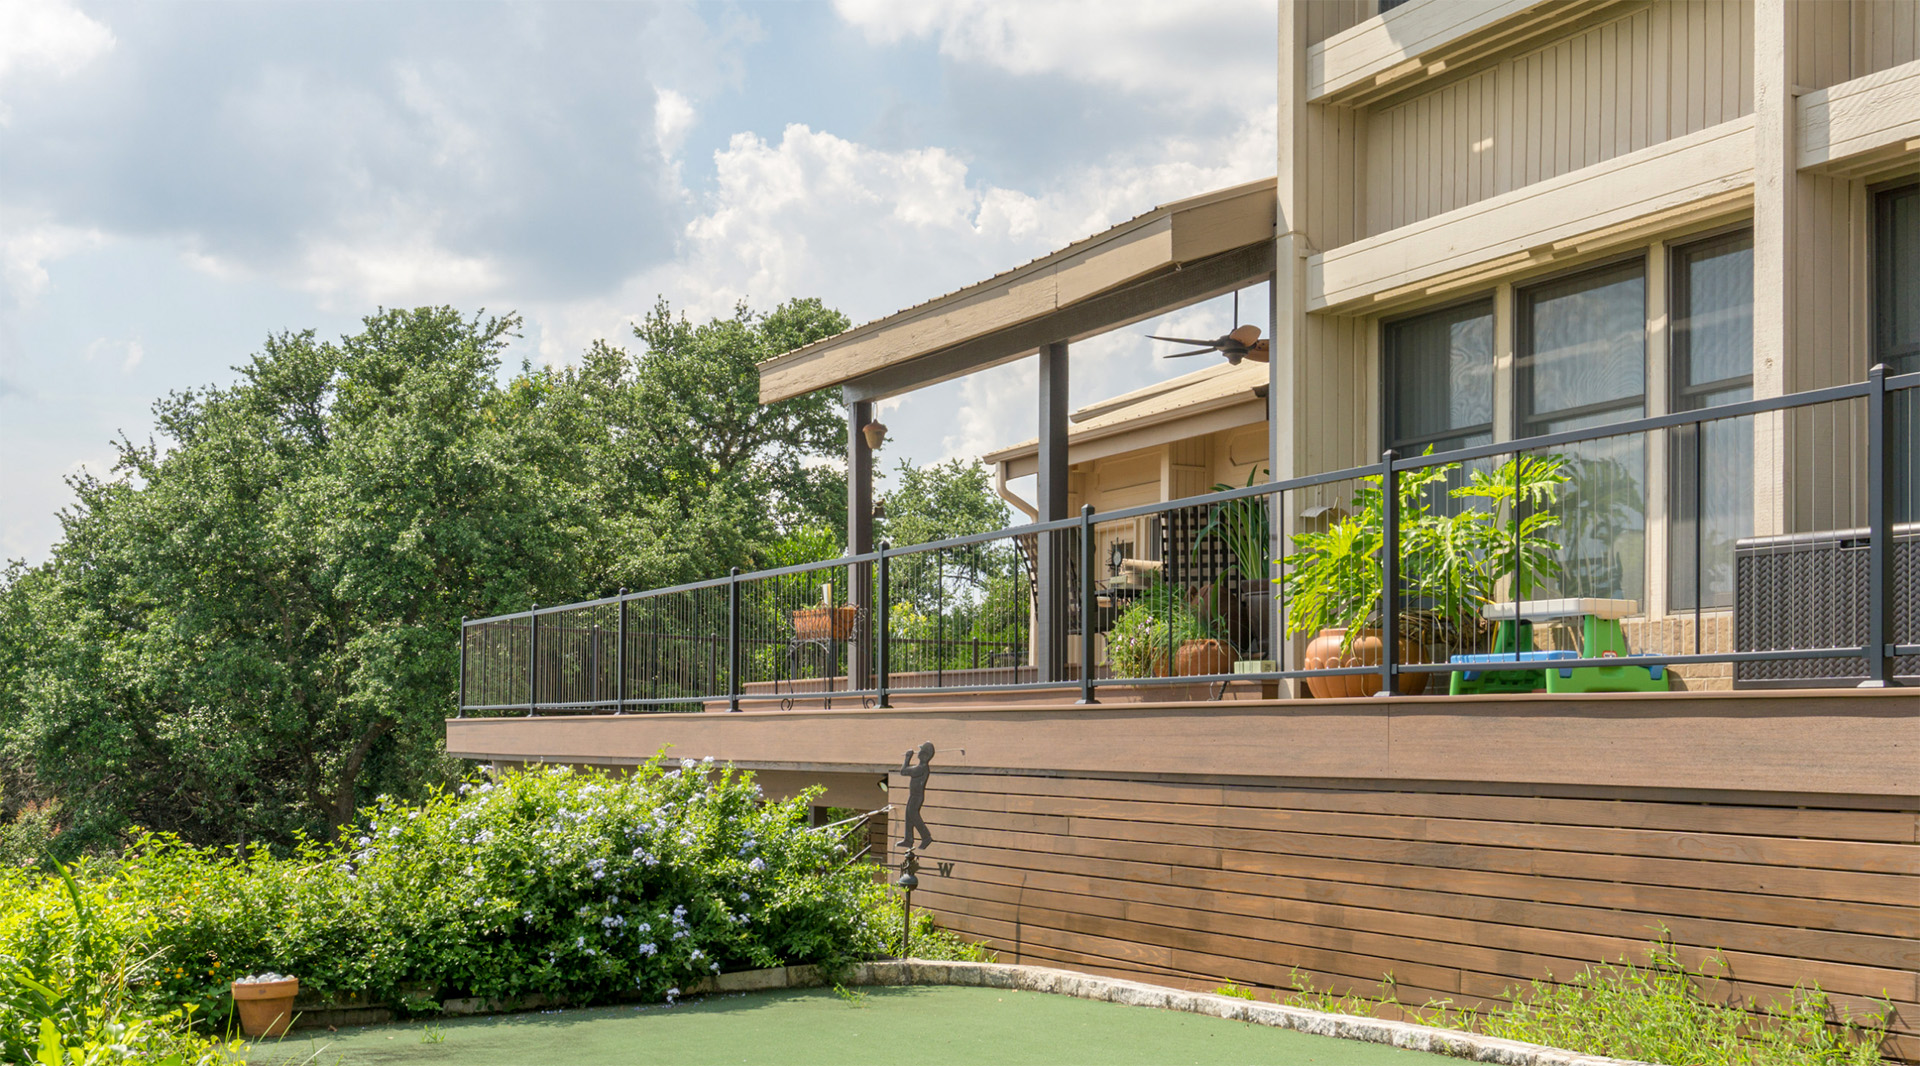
x=916, y=795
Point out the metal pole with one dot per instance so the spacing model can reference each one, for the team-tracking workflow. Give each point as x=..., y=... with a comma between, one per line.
x=1880, y=486
x=460, y=707
x=882, y=660
x=620, y=661
x=533, y=661
x=1389, y=574
x=733, y=638
x=1086, y=604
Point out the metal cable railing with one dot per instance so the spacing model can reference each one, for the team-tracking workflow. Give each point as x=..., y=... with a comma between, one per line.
x=1762, y=542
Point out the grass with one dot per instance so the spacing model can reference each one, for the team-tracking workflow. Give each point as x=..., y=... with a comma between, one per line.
x=1654, y=1010
x=802, y=1027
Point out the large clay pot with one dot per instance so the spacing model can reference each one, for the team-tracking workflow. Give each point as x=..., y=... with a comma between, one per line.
x=1198, y=658
x=266, y=1007
x=1323, y=653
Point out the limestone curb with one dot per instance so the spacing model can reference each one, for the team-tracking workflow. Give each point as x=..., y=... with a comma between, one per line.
x=1406, y=1035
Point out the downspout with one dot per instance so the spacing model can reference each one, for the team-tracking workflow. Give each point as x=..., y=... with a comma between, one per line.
x=1001, y=490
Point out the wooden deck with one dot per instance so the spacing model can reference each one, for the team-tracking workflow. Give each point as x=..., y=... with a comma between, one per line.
x=1462, y=846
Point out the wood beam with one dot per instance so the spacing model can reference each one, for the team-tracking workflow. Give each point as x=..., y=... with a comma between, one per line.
x=1203, y=279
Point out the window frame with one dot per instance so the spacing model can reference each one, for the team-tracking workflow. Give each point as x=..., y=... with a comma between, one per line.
x=1881, y=252
x=1523, y=354
x=1389, y=377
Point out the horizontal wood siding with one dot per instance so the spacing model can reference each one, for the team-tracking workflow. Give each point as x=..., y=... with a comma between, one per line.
x=1459, y=894
x=1661, y=72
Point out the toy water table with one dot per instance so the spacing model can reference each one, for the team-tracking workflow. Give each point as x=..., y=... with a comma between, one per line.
x=1601, y=638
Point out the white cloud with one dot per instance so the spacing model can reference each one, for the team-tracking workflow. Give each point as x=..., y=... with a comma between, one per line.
x=1194, y=52
x=28, y=243
x=50, y=36
x=672, y=117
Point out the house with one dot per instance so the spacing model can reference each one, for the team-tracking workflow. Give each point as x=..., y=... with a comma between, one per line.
x=1658, y=248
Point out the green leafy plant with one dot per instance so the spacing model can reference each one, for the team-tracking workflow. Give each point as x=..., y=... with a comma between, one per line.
x=1231, y=989
x=1654, y=1010
x=575, y=885
x=1451, y=559
x=1145, y=637
x=1244, y=527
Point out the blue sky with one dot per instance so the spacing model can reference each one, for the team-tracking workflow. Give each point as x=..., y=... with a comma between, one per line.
x=178, y=181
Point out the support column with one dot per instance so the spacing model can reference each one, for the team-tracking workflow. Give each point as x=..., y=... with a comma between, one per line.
x=1050, y=593
x=860, y=537
x=1288, y=298
x=1775, y=174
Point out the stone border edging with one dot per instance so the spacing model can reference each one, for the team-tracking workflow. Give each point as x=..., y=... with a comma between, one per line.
x=1406, y=1035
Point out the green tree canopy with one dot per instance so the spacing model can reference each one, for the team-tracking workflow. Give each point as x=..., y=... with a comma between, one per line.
x=250, y=627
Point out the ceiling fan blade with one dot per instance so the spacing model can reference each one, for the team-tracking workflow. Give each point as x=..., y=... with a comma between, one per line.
x=1181, y=340
x=1259, y=351
x=1196, y=351
x=1245, y=335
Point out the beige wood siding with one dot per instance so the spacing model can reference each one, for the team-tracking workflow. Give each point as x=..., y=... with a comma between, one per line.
x=1328, y=17
x=1663, y=71
x=1886, y=34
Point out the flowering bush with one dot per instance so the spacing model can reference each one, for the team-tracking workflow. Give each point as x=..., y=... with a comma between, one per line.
x=551, y=881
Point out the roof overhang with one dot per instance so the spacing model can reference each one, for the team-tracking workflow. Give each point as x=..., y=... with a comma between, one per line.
x=1171, y=256
x=1218, y=398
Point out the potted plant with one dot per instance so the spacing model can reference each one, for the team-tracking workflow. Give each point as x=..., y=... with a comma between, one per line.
x=1450, y=565
x=1243, y=526
x=1162, y=635
x=265, y=1001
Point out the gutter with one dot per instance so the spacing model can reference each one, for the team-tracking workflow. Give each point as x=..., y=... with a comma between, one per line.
x=1001, y=490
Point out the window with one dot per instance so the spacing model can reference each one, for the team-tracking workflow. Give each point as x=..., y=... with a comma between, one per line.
x=1389, y=5
x=1439, y=369
x=1582, y=362
x=1710, y=465
x=1896, y=332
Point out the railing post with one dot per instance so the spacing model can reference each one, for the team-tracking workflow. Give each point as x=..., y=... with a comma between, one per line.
x=533, y=661
x=460, y=705
x=733, y=638
x=881, y=660
x=620, y=660
x=1389, y=575
x=1880, y=665
x=1086, y=604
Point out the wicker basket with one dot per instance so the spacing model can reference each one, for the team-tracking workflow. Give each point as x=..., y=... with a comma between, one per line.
x=824, y=623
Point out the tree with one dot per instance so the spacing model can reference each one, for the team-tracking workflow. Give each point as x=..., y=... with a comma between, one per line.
x=251, y=626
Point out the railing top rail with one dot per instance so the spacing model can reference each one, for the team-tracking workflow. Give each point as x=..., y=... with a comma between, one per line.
x=1831, y=394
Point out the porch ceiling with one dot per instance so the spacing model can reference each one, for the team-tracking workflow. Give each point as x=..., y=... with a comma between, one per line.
x=1171, y=256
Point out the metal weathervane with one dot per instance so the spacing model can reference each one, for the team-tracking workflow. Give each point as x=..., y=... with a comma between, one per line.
x=914, y=825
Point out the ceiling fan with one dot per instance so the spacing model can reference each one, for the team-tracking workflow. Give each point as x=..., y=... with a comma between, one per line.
x=1242, y=342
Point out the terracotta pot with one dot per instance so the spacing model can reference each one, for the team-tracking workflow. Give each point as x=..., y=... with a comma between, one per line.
x=824, y=623
x=1323, y=653
x=1197, y=658
x=266, y=1007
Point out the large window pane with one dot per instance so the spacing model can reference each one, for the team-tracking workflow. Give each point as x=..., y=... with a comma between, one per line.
x=1440, y=379
x=1710, y=483
x=1583, y=363
x=1896, y=331
x=1585, y=350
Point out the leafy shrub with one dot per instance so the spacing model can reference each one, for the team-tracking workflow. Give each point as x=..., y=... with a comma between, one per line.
x=58, y=1008
x=551, y=882
x=1653, y=1011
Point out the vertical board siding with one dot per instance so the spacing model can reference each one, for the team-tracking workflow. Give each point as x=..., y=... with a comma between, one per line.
x=1664, y=71
x=1328, y=17
x=1887, y=34
x=1458, y=894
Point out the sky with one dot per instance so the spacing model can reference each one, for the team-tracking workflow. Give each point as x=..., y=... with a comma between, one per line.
x=179, y=181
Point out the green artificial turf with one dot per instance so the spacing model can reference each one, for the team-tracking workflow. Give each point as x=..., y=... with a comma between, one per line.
x=883, y=1026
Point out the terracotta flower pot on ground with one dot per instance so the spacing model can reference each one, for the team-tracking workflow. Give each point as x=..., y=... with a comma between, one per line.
x=1323, y=653
x=266, y=1007
x=1198, y=658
